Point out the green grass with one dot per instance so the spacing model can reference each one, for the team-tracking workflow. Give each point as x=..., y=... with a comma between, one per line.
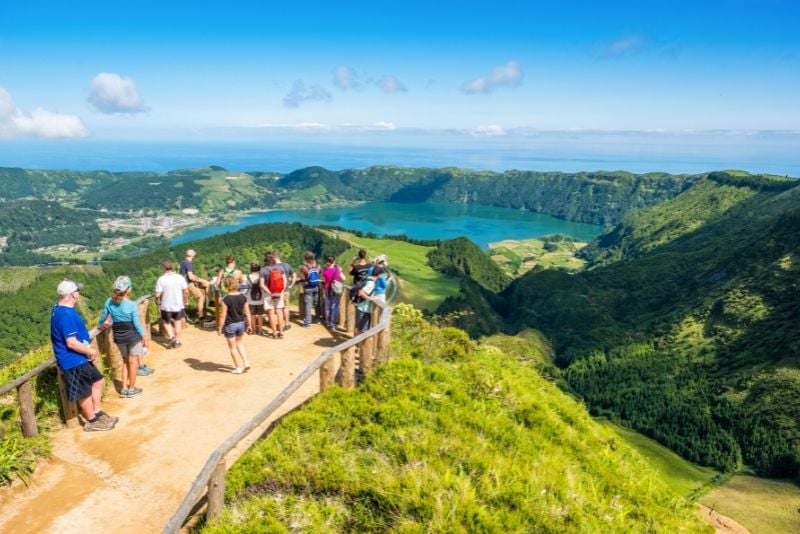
x=518, y=256
x=762, y=505
x=419, y=284
x=15, y=278
x=447, y=437
x=683, y=477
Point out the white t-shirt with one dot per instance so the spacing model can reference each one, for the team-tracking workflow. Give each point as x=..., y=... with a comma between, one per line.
x=171, y=287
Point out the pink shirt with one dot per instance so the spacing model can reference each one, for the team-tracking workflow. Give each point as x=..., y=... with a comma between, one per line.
x=330, y=274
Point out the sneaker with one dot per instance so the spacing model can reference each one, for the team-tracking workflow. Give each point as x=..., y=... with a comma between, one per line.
x=192, y=321
x=134, y=392
x=237, y=371
x=287, y=327
x=211, y=323
x=99, y=425
x=171, y=343
x=177, y=344
x=123, y=393
x=145, y=371
x=246, y=366
x=113, y=418
x=307, y=325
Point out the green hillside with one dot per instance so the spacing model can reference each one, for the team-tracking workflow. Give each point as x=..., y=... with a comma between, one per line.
x=447, y=437
x=692, y=340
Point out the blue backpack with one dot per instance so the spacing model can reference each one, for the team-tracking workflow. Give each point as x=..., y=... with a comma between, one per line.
x=312, y=276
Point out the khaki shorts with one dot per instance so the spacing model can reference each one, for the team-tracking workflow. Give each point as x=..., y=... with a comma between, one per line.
x=272, y=303
x=196, y=291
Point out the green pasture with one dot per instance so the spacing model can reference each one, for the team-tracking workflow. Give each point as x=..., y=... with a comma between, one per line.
x=518, y=256
x=419, y=284
x=15, y=278
x=764, y=506
x=683, y=477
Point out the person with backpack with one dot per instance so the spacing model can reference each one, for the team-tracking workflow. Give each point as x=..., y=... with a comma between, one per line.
x=332, y=278
x=229, y=271
x=255, y=298
x=383, y=280
x=274, y=285
x=291, y=280
x=364, y=298
x=311, y=275
x=359, y=270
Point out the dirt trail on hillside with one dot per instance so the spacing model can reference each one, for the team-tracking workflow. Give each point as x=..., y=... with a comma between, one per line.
x=132, y=478
x=722, y=524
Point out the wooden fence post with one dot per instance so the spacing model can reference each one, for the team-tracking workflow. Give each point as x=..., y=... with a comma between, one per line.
x=216, y=491
x=346, y=377
x=69, y=410
x=27, y=412
x=382, y=347
x=350, y=312
x=366, y=356
x=344, y=300
x=326, y=374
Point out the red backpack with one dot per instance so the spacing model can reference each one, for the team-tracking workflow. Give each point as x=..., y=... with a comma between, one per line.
x=275, y=281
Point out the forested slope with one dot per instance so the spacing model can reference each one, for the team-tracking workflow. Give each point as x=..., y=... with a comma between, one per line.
x=693, y=339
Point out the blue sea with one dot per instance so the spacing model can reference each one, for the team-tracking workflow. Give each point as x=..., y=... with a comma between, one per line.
x=775, y=153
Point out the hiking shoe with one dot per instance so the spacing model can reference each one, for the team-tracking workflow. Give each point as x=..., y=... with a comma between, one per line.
x=144, y=371
x=123, y=393
x=134, y=392
x=113, y=418
x=307, y=325
x=99, y=425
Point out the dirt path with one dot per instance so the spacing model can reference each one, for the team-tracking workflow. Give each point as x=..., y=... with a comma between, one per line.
x=722, y=524
x=132, y=478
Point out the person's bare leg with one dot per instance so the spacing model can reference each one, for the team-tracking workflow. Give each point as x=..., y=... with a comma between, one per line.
x=178, y=329
x=237, y=362
x=170, y=329
x=125, y=372
x=273, y=321
x=242, y=352
x=96, y=396
x=133, y=367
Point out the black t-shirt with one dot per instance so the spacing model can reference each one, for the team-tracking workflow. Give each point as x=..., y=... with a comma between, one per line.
x=359, y=272
x=235, y=303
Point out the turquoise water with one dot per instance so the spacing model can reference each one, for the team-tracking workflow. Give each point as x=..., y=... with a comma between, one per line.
x=481, y=224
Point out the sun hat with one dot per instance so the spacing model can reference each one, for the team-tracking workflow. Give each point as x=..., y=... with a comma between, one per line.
x=382, y=258
x=191, y=253
x=68, y=287
x=122, y=283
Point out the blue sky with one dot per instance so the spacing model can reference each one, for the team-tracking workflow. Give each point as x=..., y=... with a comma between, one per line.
x=499, y=69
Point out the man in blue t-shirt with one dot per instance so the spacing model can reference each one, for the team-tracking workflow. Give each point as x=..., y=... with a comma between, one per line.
x=198, y=287
x=75, y=357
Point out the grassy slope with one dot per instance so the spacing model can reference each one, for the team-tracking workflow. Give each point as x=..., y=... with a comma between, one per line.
x=15, y=278
x=763, y=506
x=518, y=256
x=420, y=285
x=682, y=477
x=447, y=437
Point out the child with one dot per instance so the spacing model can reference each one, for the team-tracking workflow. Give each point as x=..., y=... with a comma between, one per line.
x=234, y=321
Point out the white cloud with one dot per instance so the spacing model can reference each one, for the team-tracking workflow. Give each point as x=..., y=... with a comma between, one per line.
x=508, y=75
x=492, y=130
x=15, y=122
x=112, y=93
x=300, y=94
x=345, y=78
x=625, y=46
x=390, y=84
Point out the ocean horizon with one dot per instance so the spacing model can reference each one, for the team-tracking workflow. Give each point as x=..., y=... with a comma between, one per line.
x=781, y=158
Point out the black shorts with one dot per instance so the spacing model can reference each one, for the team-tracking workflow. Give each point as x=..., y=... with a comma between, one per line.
x=256, y=309
x=79, y=380
x=172, y=316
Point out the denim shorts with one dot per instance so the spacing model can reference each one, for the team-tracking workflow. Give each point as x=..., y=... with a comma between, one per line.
x=234, y=330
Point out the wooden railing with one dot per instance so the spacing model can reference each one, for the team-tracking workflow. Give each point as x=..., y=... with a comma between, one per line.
x=102, y=339
x=373, y=348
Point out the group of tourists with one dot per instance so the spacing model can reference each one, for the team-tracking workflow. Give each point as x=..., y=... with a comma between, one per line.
x=245, y=299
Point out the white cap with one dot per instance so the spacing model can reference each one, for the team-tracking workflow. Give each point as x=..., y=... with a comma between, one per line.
x=191, y=253
x=381, y=258
x=68, y=287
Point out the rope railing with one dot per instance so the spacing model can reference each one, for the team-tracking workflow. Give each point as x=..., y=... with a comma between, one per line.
x=69, y=412
x=373, y=347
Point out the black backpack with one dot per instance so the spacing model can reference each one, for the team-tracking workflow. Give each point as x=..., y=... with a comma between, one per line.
x=355, y=298
x=255, y=289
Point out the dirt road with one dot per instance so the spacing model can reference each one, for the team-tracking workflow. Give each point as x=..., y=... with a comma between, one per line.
x=132, y=478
